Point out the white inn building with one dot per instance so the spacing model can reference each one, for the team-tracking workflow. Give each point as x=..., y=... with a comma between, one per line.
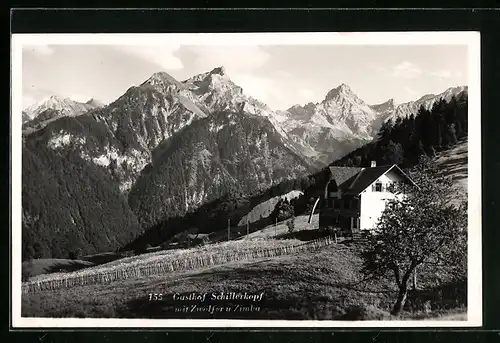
x=354, y=198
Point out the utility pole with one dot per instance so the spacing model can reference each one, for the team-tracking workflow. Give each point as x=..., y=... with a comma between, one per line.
x=228, y=228
x=248, y=227
x=415, y=280
x=276, y=227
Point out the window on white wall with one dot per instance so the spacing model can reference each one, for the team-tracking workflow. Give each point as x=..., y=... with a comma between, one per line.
x=378, y=187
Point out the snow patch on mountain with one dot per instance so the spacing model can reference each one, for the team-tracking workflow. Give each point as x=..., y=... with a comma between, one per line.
x=63, y=139
x=213, y=127
x=60, y=141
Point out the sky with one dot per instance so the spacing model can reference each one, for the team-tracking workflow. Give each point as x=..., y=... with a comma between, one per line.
x=280, y=76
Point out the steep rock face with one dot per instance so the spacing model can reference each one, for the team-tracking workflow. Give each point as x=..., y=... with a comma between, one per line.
x=217, y=92
x=226, y=152
x=121, y=136
x=385, y=107
x=347, y=112
x=384, y=110
x=342, y=122
x=331, y=128
x=25, y=117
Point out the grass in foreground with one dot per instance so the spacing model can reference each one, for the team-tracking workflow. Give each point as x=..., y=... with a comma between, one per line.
x=320, y=285
x=42, y=266
x=166, y=262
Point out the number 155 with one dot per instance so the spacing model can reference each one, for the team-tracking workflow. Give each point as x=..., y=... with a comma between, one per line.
x=155, y=296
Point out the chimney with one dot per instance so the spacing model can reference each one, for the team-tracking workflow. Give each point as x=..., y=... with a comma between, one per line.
x=374, y=164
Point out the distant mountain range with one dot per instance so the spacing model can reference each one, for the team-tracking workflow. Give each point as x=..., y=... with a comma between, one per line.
x=343, y=122
x=38, y=115
x=160, y=150
x=320, y=132
x=95, y=175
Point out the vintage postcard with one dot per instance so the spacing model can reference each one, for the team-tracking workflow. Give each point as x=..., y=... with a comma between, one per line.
x=246, y=180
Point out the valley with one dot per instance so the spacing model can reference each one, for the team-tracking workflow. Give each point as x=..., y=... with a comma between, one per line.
x=166, y=148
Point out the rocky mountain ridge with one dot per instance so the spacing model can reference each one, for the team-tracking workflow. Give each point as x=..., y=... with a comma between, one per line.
x=343, y=122
x=161, y=149
x=40, y=114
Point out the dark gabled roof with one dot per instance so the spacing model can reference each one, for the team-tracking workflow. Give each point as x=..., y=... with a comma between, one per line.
x=363, y=179
x=341, y=174
x=355, y=180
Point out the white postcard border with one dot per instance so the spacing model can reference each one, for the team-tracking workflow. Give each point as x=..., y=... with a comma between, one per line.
x=470, y=39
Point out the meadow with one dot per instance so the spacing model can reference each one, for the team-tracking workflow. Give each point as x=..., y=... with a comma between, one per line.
x=301, y=277
x=167, y=261
x=323, y=283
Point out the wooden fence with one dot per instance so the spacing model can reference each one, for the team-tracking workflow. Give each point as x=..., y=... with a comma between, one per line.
x=163, y=267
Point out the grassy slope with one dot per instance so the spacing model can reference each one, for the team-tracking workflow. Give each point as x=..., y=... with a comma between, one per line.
x=238, y=248
x=264, y=209
x=281, y=229
x=325, y=284
x=299, y=286
x=454, y=162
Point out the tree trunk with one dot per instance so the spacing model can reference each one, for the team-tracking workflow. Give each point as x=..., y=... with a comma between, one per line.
x=400, y=302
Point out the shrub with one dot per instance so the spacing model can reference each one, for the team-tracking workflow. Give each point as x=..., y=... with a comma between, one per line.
x=75, y=254
x=283, y=210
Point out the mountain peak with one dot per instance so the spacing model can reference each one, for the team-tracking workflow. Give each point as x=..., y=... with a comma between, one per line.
x=386, y=106
x=456, y=90
x=219, y=70
x=343, y=87
x=161, y=77
x=341, y=90
x=390, y=103
x=94, y=102
x=55, y=98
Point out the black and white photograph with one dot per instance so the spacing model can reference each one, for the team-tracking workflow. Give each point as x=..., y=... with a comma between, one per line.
x=246, y=180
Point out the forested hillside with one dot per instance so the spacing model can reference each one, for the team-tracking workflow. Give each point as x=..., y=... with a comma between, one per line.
x=70, y=206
